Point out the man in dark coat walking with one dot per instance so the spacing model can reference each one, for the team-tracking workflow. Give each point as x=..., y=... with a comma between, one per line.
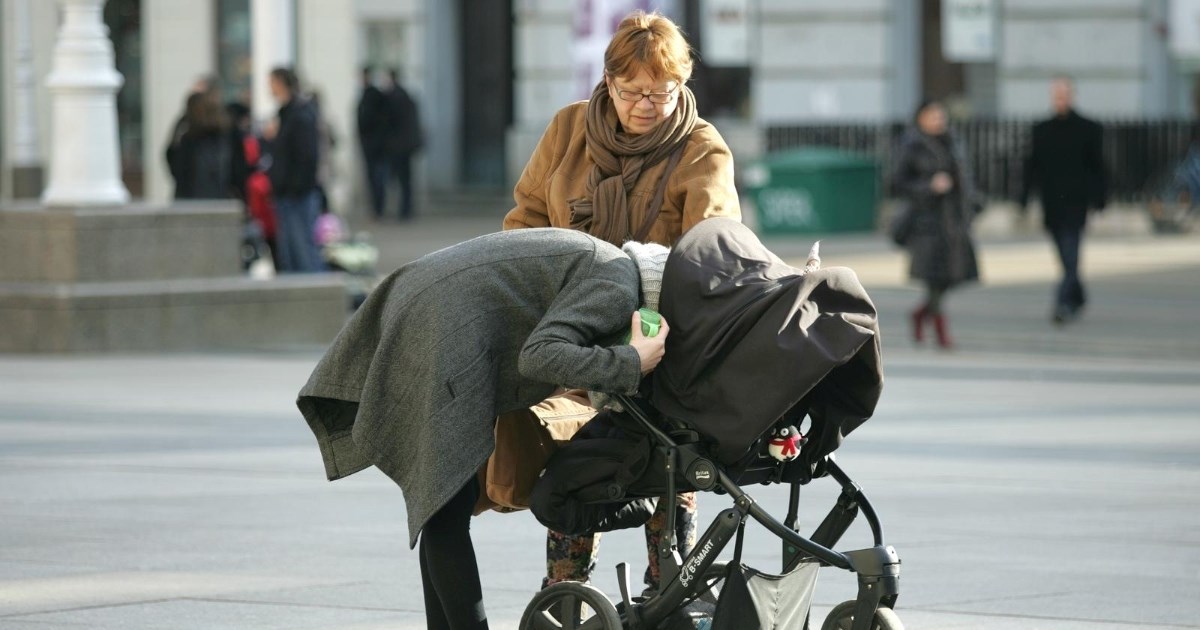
x=1066, y=165
x=373, y=129
x=404, y=139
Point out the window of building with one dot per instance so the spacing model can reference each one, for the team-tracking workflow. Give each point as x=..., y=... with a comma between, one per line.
x=486, y=69
x=962, y=73
x=385, y=43
x=234, y=61
x=721, y=76
x=124, y=21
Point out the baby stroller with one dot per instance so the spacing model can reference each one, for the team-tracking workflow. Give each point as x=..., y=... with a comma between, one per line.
x=1175, y=208
x=708, y=420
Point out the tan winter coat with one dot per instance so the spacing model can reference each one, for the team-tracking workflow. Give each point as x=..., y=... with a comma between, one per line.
x=701, y=186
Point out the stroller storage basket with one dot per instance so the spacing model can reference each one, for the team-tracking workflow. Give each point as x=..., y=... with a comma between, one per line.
x=775, y=601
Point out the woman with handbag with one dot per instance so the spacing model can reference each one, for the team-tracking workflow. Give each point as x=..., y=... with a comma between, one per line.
x=634, y=162
x=413, y=383
x=934, y=178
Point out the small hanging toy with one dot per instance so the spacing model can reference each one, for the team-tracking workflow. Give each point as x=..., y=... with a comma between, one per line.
x=785, y=443
x=814, y=258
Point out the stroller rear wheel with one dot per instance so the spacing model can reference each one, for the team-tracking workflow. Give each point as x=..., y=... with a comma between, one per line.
x=570, y=606
x=842, y=618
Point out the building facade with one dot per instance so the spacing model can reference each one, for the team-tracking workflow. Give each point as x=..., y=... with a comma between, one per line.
x=488, y=74
x=163, y=46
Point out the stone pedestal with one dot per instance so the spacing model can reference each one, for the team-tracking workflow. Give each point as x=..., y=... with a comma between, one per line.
x=20, y=142
x=273, y=44
x=85, y=167
x=139, y=278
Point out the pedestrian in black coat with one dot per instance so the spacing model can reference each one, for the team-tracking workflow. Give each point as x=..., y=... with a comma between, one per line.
x=933, y=177
x=404, y=139
x=1066, y=165
x=200, y=154
x=294, y=149
x=373, y=131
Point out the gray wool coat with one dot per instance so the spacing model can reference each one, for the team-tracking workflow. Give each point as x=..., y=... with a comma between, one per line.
x=415, y=380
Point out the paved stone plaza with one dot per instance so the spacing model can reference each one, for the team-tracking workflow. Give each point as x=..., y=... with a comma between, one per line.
x=1033, y=478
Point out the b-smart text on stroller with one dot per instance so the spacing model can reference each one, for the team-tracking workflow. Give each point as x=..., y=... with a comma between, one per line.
x=689, y=570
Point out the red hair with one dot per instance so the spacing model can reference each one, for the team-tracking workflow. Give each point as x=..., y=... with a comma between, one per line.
x=650, y=42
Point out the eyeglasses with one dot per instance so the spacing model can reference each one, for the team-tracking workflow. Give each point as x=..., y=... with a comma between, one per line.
x=658, y=98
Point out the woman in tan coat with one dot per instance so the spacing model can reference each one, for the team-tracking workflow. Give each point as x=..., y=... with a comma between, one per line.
x=600, y=168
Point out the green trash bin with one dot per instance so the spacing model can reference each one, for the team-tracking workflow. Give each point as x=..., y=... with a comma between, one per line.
x=815, y=190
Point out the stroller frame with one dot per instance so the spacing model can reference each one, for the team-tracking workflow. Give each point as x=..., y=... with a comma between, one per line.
x=877, y=567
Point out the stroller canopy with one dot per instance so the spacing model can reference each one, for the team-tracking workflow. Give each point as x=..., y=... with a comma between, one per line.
x=753, y=338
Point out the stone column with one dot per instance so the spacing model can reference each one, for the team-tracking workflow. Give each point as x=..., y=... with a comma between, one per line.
x=179, y=43
x=331, y=69
x=273, y=41
x=85, y=163
x=443, y=91
x=23, y=148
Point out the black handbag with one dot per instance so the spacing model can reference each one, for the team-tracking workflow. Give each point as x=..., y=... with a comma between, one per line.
x=900, y=227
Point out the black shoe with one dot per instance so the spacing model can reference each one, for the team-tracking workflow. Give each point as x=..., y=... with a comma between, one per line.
x=1064, y=314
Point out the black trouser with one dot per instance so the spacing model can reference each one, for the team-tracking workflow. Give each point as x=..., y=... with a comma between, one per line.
x=449, y=573
x=1067, y=240
x=402, y=168
x=377, y=167
x=934, y=292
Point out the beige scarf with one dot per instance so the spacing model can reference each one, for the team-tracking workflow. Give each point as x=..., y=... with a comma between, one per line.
x=618, y=160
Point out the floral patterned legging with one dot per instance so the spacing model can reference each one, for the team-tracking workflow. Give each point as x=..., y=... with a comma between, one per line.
x=573, y=558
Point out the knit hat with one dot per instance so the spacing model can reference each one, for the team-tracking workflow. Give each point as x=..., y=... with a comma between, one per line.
x=650, y=259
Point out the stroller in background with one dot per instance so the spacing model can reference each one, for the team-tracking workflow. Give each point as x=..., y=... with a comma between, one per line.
x=357, y=257
x=1176, y=206
x=756, y=347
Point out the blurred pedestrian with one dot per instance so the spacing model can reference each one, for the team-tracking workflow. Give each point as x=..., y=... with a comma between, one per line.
x=1066, y=165
x=634, y=162
x=404, y=139
x=327, y=141
x=173, y=152
x=251, y=181
x=933, y=177
x=199, y=155
x=202, y=84
x=241, y=125
x=294, y=149
x=373, y=140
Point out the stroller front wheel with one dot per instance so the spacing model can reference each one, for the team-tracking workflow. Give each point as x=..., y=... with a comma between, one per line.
x=570, y=606
x=842, y=618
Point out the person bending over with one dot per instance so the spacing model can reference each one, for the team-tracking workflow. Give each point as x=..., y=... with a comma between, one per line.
x=413, y=383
